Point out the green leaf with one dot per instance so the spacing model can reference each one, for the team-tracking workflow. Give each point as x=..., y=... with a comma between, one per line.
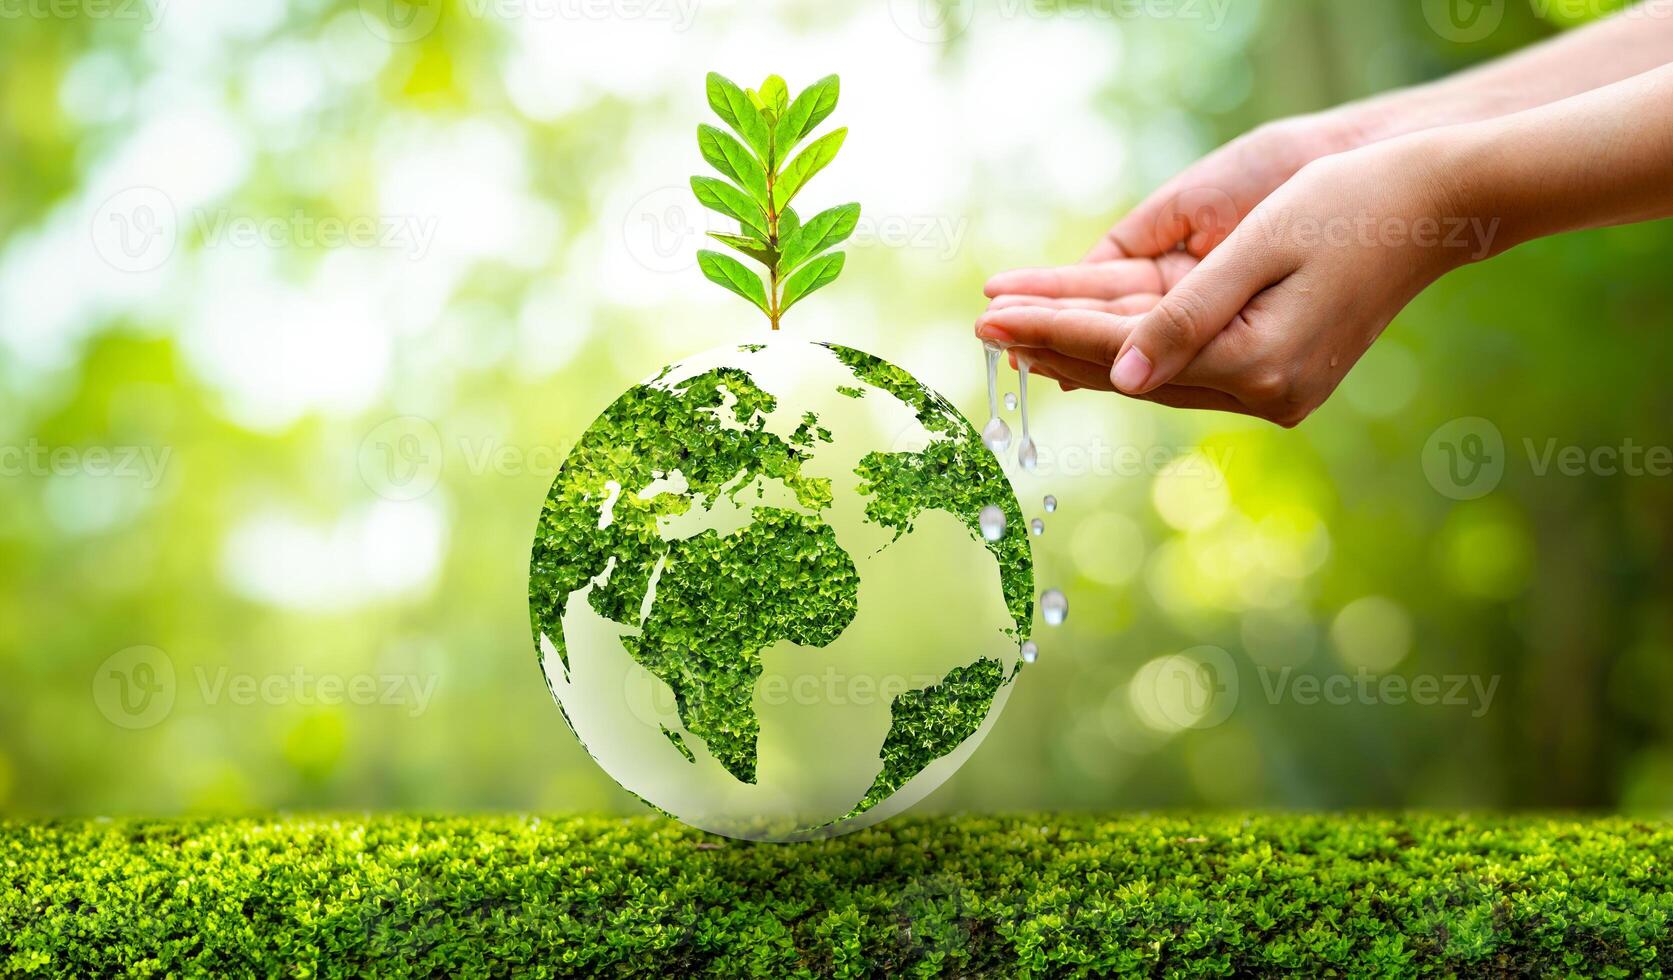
x=775, y=94
x=816, y=102
x=729, y=272
x=732, y=104
x=807, y=163
x=754, y=248
x=820, y=272
x=717, y=195
x=733, y=160
x=827, y=229
x=788, y=222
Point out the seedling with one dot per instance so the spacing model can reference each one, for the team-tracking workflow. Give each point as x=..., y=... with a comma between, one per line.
x=760, y=185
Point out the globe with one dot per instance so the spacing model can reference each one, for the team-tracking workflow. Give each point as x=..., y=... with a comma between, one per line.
x=762, y=595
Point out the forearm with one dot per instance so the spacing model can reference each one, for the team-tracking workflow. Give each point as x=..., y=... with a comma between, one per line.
x=1603, y=157
x=1626, y=44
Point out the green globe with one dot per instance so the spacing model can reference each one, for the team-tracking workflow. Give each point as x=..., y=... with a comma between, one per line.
x=762, y=594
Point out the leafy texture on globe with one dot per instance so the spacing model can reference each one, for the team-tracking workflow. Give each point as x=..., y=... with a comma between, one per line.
x=745, y=530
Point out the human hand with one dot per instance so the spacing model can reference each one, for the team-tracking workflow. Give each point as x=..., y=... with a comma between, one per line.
x=1198, y=208
x=1153, y=247
x=1272, y=320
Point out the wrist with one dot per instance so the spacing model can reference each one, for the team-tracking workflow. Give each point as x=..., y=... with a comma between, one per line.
x=1452, y=183
x=1415, y=109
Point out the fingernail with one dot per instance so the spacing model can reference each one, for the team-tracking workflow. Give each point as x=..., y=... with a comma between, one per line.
x=1131, y=372
x=988, y=331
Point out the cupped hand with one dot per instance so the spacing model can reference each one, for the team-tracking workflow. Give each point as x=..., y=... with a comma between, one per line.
x=1154, y=246
x=1122, y=287
x=1272, y=320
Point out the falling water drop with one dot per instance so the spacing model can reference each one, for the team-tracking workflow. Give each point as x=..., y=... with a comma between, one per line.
x=1054, y=607
x=1027, y=455
x=1030, y=651
x=992, y=520
x=1051, y=504
x=1037, y=526
x=1010, y=401
x=996, y=435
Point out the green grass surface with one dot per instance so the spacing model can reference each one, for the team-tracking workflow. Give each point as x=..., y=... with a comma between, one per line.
x=1043, y=895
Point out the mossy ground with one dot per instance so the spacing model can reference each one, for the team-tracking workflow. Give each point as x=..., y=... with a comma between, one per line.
x=1216, y=895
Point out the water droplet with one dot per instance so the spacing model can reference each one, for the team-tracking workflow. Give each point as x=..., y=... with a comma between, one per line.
x=1010, y=401
x=1030, y=651
x=1027, y=455
x=1054, y=607
x=1037, y=526
x=997, y=435
x=1051, y=504
x=992, y=520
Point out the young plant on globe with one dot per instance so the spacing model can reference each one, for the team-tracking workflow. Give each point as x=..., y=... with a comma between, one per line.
x=760, y=185
x=780, y=590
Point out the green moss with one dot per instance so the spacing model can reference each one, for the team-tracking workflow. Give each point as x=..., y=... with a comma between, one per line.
x=1048, y=895
x=927, y=724
x=721, y=600
x=849, y=391
x=808, y=431
x=679, y=743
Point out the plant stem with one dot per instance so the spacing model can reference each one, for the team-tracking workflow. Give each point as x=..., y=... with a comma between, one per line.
x=773, y=312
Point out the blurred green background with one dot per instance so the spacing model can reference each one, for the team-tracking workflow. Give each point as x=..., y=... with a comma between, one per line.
x=302, y=302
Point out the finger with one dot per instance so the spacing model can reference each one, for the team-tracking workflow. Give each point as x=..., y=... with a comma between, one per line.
x=1122, y=306
x=1185, y=396
x=1090, y=335
x=1183, y=212
x=1105, y=250
x=1194, y=312
x=1220, y=366
x=1061, y=368
x=1100, y=280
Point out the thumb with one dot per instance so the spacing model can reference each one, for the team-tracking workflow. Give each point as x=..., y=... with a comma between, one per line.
x=1195, y=311
x=1184, y=212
